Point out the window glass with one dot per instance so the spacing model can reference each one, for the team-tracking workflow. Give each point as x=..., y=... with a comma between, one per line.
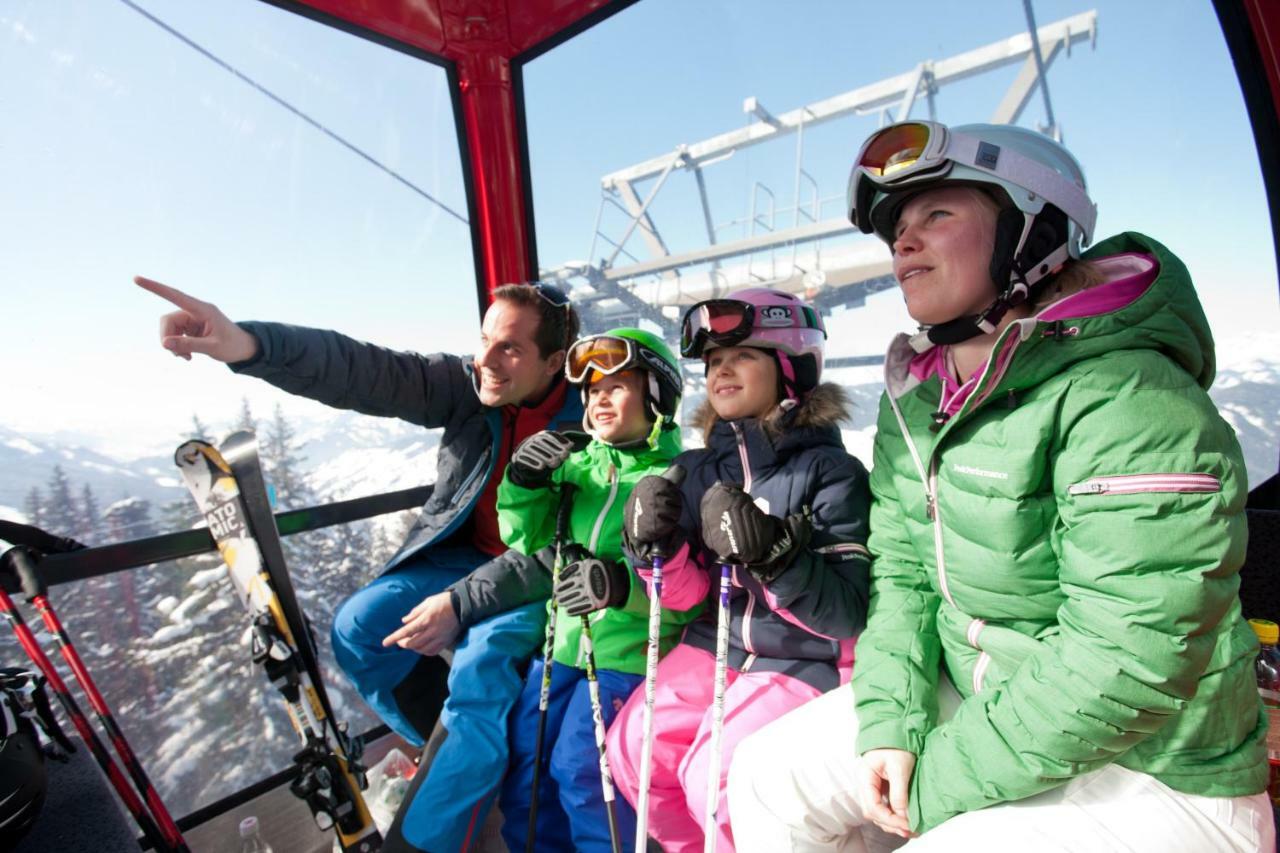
x=283, y=170
x=1144, y=94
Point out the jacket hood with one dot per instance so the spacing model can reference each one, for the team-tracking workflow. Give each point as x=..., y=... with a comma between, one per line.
x=1129, y=311
x=823, y=410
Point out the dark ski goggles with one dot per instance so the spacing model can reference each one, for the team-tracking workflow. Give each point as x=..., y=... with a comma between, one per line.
x=728, y=322
x=604, y=354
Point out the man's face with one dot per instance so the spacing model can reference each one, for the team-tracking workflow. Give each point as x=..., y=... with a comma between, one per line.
x=510, y=368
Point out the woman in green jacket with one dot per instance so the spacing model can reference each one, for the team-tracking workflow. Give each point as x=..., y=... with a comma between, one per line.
x=1055, y=656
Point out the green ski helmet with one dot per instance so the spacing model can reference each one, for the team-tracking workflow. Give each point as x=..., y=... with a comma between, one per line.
x=629, y=348
x=1046, y=216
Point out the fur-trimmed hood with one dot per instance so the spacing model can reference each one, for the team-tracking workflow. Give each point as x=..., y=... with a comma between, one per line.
x=824, y=408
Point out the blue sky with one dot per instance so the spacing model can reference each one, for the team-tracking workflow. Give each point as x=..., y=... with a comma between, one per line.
x=124, y=151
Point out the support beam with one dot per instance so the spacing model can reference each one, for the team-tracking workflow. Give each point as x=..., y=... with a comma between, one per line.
x=1024, y=86
x=885, y=93
x=772, y=239
x=648, y=231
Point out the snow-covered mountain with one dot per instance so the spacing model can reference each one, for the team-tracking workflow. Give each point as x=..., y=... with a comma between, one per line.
x=345, y=455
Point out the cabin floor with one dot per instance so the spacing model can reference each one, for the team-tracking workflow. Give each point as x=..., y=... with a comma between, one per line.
x=82, y=814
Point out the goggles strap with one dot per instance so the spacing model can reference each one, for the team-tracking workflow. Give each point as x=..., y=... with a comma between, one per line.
x=1027, y=173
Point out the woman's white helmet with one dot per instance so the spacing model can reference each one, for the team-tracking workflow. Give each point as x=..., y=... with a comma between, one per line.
x=1046, y=217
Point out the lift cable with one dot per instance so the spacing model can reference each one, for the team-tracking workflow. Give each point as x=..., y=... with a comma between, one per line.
x=299, y=113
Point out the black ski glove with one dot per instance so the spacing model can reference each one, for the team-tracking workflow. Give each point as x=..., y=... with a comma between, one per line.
x=738, y=531
x=651, y=517
x=590, y=584
x=535, y=458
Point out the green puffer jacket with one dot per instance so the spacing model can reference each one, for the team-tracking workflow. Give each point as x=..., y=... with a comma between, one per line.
x=1066, y=549
x=604, y=476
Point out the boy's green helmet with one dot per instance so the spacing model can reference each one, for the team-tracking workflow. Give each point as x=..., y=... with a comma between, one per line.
x=628, y=348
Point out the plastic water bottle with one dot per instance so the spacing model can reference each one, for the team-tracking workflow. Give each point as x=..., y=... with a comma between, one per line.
x=1267, y=669
x=251, y=839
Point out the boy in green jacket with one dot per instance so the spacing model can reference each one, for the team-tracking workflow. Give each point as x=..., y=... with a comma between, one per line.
x=631, y=387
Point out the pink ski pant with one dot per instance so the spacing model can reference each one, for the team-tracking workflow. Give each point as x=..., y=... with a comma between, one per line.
x=682, y=732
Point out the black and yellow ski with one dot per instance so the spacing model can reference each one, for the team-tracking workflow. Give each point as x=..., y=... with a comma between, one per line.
x=232, y=496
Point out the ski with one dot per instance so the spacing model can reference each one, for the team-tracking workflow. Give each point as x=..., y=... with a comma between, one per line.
x=227, y=485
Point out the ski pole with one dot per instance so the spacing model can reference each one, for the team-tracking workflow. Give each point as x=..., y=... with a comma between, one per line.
x=676, y=475
x=544, y=695
x=28, y=641
x=173, y=836
x=597, y=717
x=717, y=713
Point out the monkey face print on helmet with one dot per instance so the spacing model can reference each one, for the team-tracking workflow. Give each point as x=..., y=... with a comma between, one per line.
x=1046, y=218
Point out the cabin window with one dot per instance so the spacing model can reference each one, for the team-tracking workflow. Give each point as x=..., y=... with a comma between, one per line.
x=126, y=150
x=657, y=110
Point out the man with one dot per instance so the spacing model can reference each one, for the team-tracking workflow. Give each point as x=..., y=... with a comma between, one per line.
x=388, y=635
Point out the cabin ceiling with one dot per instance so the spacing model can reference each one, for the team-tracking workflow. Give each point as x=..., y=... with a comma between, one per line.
x=447, y=28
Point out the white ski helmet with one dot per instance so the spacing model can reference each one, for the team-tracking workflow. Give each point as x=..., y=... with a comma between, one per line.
x=1046, y=217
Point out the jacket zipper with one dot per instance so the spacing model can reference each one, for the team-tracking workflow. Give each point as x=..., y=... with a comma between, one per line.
x=595, y=540
x=608, y=504
x=1131, y=484
x=462, y=488
x=930, y=478
x=936, y=516
x=509, y=426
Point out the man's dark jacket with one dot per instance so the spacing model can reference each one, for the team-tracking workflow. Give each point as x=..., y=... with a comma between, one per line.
x=433, y=391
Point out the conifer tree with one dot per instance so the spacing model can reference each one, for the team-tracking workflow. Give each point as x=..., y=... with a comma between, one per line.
x=89, y=530
x=60, y=513
x=33, y=507
x=245, y=419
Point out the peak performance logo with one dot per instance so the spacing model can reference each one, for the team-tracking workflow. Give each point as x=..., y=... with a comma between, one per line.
x=726, y=527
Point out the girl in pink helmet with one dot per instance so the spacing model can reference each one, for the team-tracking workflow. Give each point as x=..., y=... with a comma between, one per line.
x=774, y=495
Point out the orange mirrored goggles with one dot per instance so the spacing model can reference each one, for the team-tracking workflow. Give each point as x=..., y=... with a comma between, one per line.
x=898, y=154
x=604, y=354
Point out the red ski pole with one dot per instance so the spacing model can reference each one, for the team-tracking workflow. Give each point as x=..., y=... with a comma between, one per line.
x=173, y=836
x=22, y=567
x=32, y=648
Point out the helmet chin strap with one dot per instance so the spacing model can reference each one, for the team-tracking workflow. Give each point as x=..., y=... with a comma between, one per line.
x=1009, y=262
